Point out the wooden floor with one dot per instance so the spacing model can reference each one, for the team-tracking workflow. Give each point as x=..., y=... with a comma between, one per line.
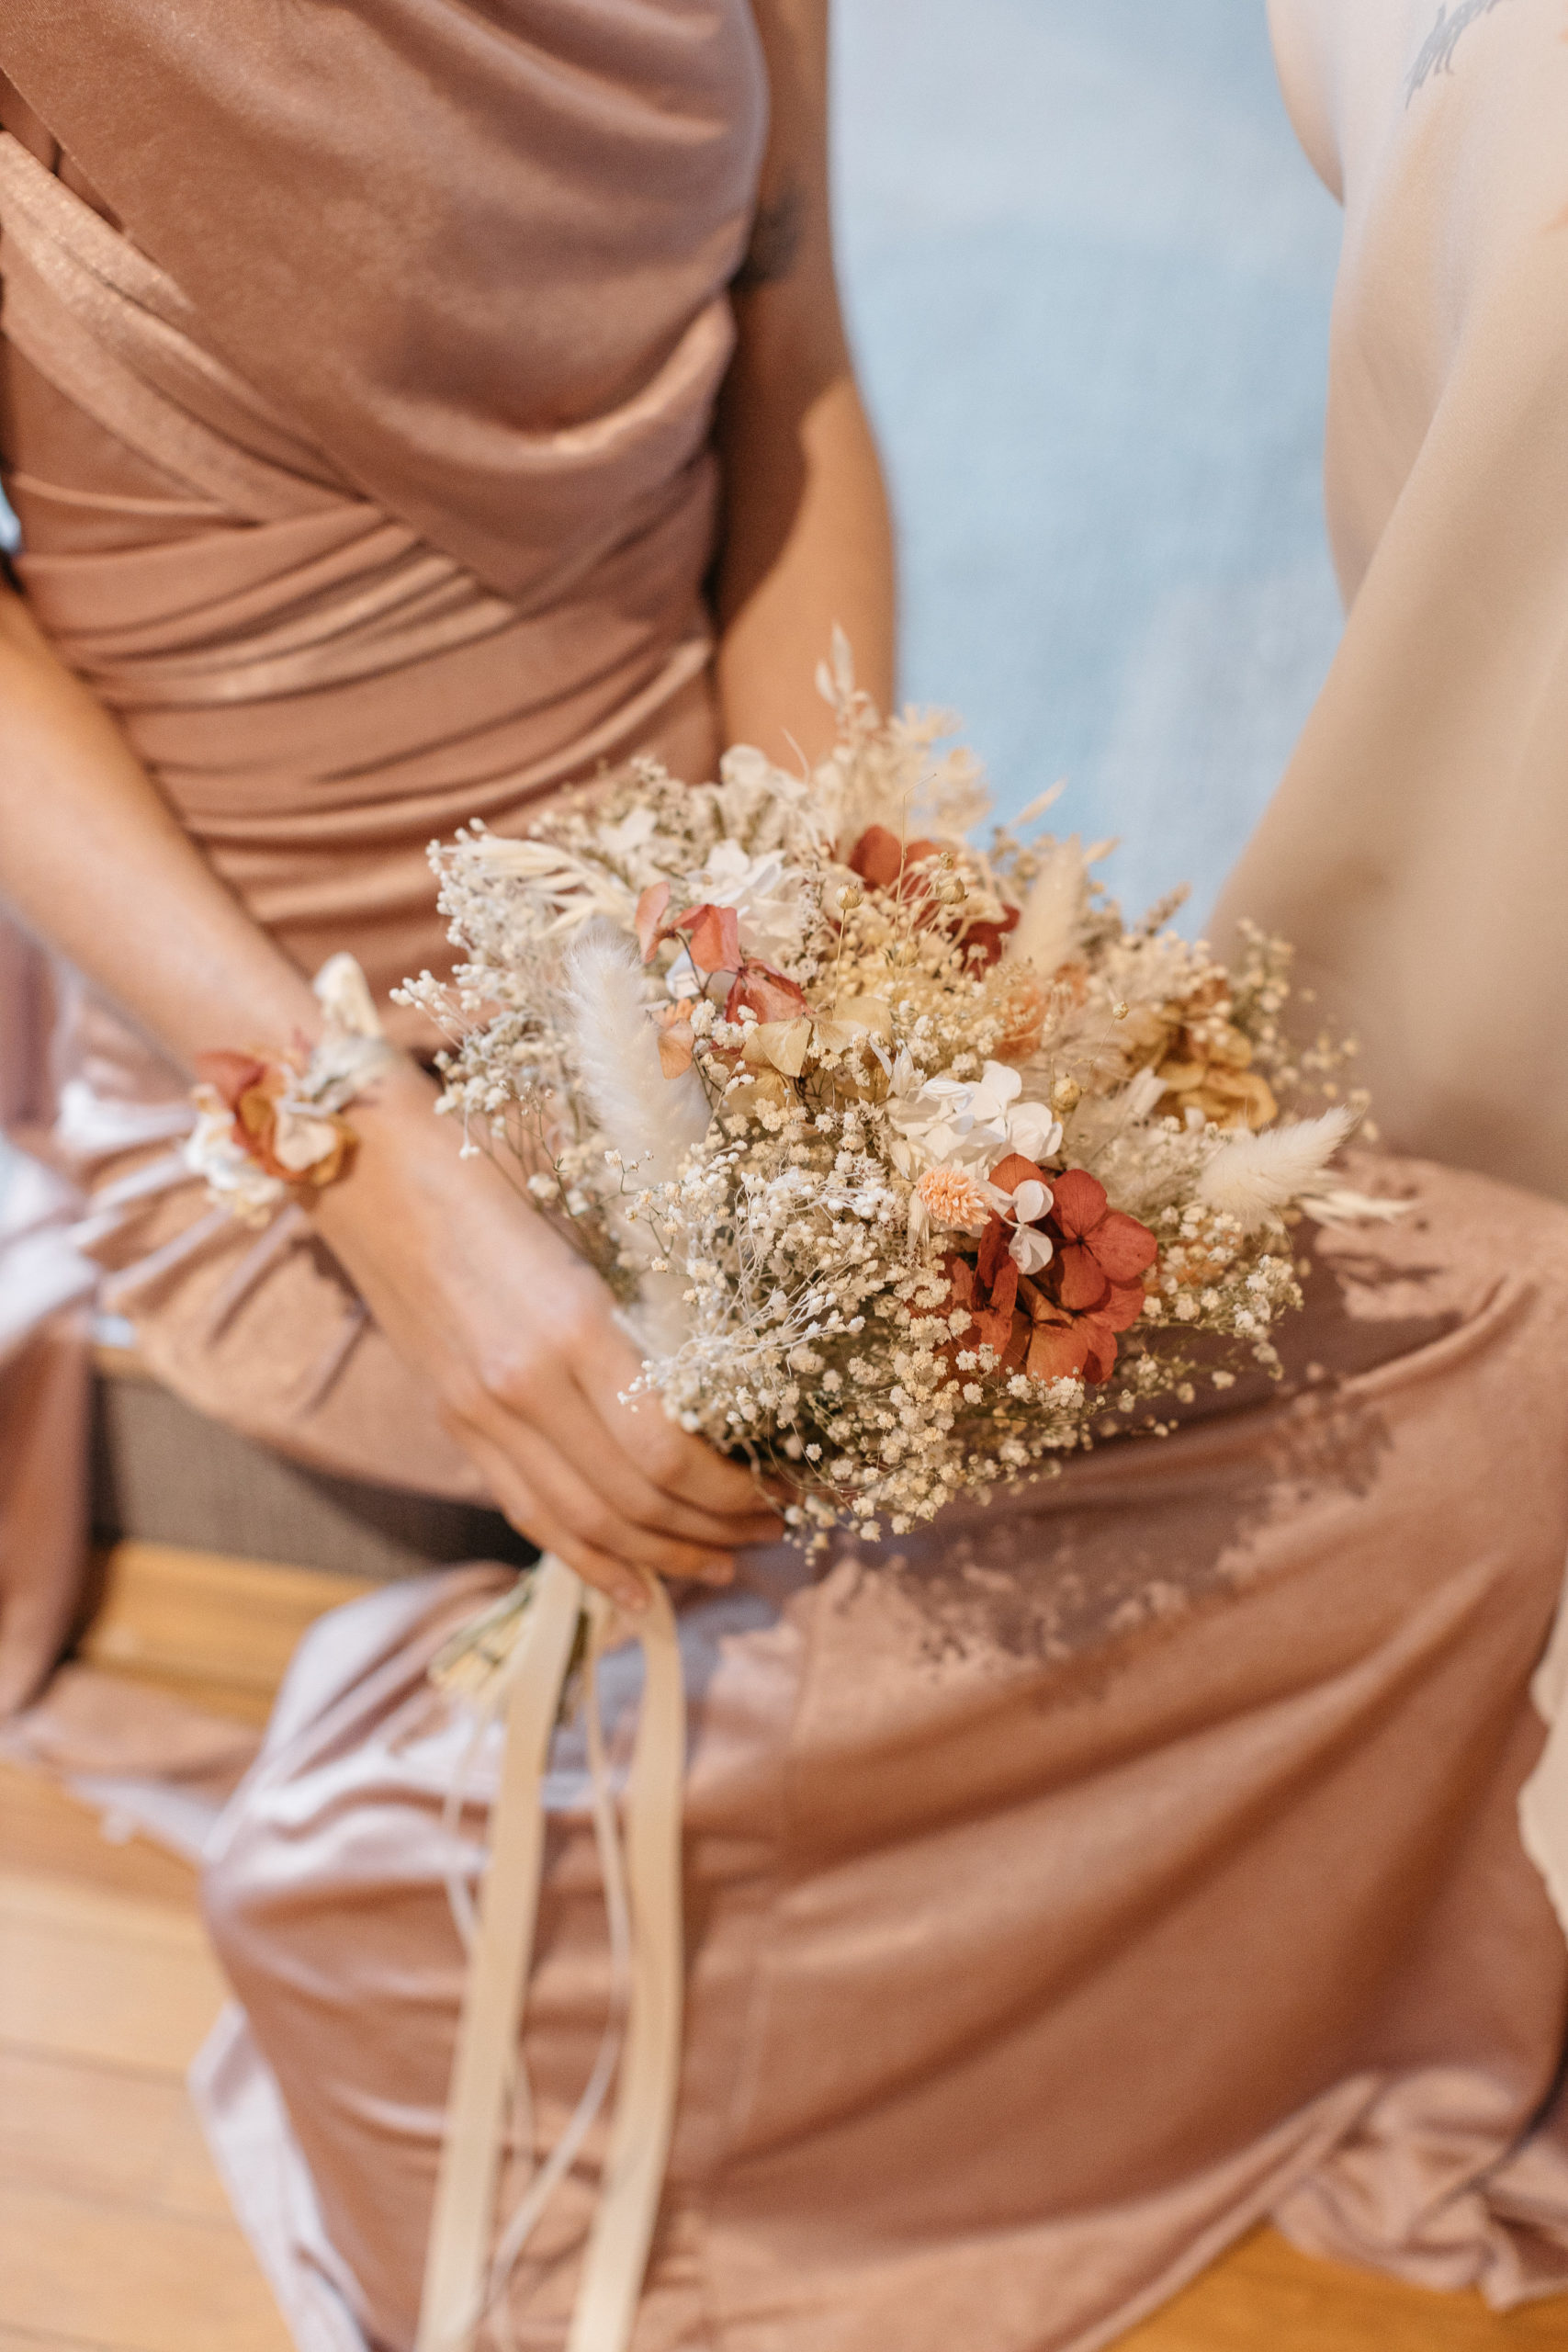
x=114, y=2234
x=113, y=2229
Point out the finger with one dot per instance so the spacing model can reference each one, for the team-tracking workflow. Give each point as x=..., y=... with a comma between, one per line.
x=687, y=1470
x=544, y=1399
x=530, y=1518
x=677, y=1464
x=580, y=1439
x=681, y=1467
x=592, y=1513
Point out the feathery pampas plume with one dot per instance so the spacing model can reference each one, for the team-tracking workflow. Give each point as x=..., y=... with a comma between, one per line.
x=1255, y=1177
x=656, y=1119
x=1049, y=926
x=1340, y=1205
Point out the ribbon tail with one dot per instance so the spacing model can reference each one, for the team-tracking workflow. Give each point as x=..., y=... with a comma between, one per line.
x=458, y=2262
x=530, y=1645
x=645, y=2107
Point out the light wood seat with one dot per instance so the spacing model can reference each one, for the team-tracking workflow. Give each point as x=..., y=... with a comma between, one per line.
x=114, y=2233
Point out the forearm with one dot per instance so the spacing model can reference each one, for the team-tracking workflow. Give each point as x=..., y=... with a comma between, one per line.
x=808, y=541
x=809, y=547
x=97, y=866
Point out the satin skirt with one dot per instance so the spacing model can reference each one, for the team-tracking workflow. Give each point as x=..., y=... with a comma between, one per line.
x=1066, y=1889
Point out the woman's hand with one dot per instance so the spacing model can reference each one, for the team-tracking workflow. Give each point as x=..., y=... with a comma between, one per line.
x=517, y=1336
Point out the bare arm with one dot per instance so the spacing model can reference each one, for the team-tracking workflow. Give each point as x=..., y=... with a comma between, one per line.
x=807, y=541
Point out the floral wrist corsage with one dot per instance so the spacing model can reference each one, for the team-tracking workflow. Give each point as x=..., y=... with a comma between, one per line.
x=271, y=1125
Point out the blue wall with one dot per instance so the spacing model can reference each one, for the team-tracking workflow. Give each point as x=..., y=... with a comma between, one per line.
x=1089, y=275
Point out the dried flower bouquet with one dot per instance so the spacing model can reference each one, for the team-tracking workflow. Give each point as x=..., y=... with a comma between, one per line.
x=911, y=1164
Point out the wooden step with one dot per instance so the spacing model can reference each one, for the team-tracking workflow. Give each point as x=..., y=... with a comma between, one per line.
x=212, y=1630
x=101, y=1976
x=115, y=2275
x=114, y=2233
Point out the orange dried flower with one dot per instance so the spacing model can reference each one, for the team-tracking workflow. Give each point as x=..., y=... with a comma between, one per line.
x=758, y=988
x=677, y=1040
x=1060, y=1323
x=952, y=1197
x=1022, y=1011
x=885, y=863
x=298, y=1146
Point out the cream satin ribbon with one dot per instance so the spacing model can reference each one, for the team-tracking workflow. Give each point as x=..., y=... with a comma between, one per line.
x=538, y=1646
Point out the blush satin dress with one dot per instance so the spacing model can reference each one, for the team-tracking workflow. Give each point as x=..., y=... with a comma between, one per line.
x=1066, y=1889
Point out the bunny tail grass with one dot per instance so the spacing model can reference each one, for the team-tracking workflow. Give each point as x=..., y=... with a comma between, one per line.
x=1051, y=924
x=652, y=1119
x=1256, y=1176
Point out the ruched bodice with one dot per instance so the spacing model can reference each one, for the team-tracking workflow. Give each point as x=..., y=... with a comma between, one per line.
x=479, y=255
x=375, y=492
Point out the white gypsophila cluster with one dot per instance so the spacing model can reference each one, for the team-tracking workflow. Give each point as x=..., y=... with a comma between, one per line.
x=908, y=1160
x=816, y=1337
